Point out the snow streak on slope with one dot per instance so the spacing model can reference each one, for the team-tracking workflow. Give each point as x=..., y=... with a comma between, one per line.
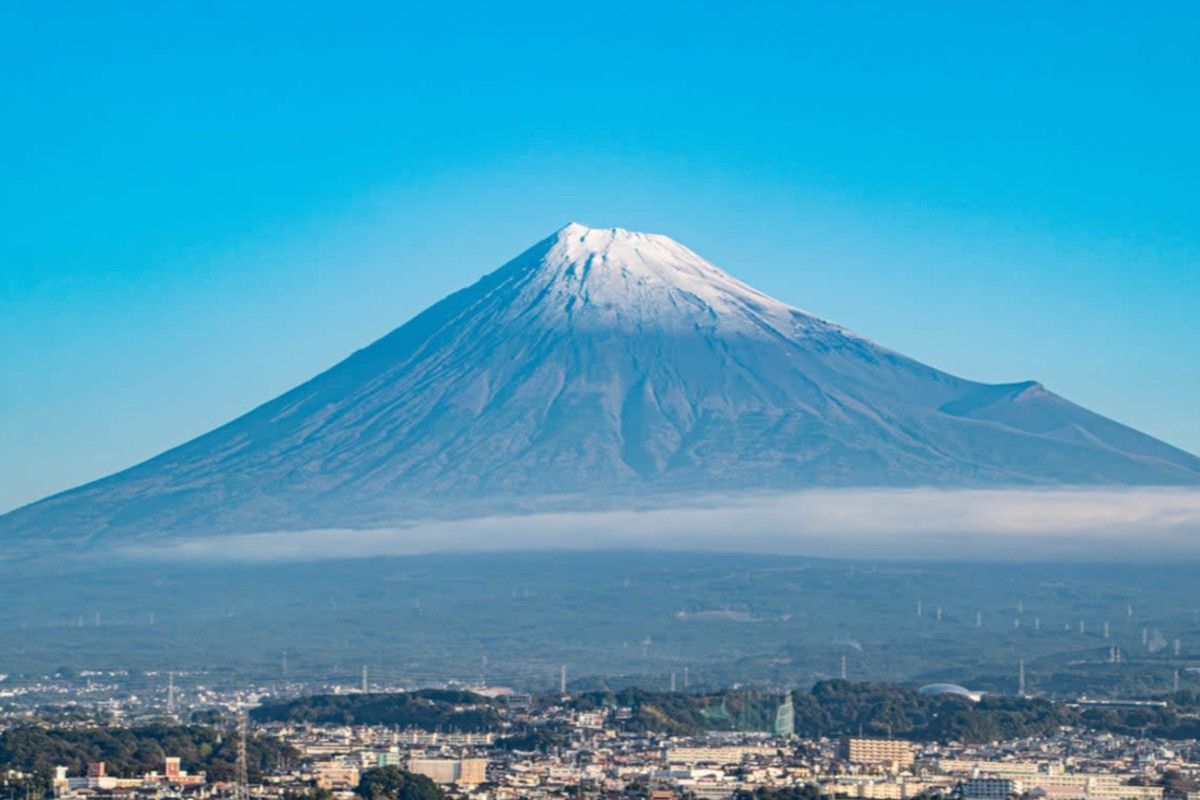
x=597, y=367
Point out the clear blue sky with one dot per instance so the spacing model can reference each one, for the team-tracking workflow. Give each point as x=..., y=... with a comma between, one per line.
x=204, y=204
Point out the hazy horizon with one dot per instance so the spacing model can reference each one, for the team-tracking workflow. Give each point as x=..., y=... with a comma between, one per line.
x=1114, y=524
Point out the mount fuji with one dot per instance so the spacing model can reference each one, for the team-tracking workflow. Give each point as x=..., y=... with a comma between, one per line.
x=598, y=368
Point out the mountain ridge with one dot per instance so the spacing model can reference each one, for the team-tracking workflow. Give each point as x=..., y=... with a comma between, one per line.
x=605, y=364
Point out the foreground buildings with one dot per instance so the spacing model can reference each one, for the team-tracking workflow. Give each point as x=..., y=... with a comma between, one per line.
x=589, y=754
x=604, y=762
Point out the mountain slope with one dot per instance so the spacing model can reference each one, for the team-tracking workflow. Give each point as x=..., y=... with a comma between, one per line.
x=599, y=365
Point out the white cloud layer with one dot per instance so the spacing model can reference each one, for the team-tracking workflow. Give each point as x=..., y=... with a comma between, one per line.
x=1020, y=525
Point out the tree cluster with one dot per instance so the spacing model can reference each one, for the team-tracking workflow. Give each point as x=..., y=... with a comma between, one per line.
x=130, y=752
x=427, y=709
x=393, y=783
x=841, y=708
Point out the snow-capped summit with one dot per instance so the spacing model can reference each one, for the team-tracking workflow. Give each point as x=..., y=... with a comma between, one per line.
x=598, y=366
x=611, y=276
x=598, y=257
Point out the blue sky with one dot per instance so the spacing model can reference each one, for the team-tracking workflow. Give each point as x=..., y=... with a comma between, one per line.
x=204, y=204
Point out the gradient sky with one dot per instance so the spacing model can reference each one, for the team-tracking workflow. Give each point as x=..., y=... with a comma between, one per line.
x=204, y=204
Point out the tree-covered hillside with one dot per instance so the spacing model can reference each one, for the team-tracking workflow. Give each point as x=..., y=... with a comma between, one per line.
x=838, y=708
x=130, y=752
x=427, y=709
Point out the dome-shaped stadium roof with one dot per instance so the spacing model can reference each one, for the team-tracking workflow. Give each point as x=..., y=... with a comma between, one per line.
x=951, y=688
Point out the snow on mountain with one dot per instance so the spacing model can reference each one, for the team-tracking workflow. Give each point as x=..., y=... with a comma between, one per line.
x=600, y=367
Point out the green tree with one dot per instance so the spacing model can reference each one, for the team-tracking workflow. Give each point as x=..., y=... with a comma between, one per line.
x=312, y=793
x=806, y=792
x=393, y=783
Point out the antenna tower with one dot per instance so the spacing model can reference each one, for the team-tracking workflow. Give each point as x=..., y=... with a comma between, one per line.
x=243, y=780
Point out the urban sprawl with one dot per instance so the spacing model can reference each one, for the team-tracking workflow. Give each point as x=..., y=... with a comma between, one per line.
x=593, y=753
